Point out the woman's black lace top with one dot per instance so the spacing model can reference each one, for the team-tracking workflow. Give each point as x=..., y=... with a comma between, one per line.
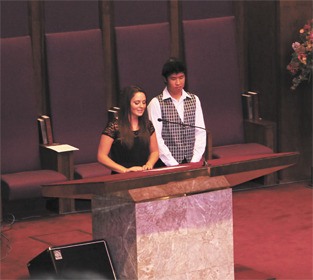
x=136, y=156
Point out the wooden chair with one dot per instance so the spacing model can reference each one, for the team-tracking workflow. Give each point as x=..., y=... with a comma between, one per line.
x=213, y=74
x=141, y=53
x=77, y=96
x=22, y=173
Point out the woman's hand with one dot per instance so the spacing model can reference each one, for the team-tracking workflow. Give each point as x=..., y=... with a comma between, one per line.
x=135, y=168
x=147, y=166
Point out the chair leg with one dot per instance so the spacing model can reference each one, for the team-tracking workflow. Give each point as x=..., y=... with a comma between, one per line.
x=66, y=205
x=271, y=179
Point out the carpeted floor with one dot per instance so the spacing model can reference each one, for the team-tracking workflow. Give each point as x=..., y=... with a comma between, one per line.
x=273, y=230
x=272, y=235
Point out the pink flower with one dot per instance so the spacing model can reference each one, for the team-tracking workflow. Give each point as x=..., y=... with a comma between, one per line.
x=296, y=45
x=298, y=48
x=291, y=69
x=302, y=58
x=301, y=64
x=306, y=27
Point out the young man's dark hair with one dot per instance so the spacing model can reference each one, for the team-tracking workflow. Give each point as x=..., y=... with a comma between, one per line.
x=173, y=65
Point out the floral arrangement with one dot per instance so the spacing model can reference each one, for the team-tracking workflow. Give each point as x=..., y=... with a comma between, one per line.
x=301, y=64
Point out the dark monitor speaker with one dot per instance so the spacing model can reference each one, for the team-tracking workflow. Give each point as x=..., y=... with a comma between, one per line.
x=88, y=260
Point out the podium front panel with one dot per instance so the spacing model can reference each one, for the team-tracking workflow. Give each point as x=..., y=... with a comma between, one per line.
x=186, y=237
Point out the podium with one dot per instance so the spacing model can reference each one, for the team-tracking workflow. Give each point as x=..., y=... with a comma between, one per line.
x=182, y=237
x=170, y=223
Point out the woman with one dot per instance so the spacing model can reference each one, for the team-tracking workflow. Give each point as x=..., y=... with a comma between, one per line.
x=129, y=142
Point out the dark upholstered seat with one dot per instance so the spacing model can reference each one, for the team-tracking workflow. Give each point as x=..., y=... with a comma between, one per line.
x=77, y=95
x=89, y=170
x=213, y=74
x=23, y=185
x=141, y=53
x=22, y=176
x=240, y=150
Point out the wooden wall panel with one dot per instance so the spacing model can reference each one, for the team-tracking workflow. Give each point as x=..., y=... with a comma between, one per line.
x=262, y=55
x=272, y=27
x=295, y=110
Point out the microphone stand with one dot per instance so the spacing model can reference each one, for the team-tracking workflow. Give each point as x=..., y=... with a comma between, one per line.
x=182, y=124
x=190, y=125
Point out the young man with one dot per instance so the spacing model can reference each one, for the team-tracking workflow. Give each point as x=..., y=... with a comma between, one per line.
x=177, y=117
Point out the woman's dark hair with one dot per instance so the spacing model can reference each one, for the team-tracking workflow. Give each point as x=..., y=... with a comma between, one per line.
x=171, y=66
x=126, y=134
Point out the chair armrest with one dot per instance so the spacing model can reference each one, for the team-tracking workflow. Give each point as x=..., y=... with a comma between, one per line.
x=262, y=132
x=61, y=161
x=208, y=148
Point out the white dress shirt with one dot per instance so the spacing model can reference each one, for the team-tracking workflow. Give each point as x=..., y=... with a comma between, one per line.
x=154, y=111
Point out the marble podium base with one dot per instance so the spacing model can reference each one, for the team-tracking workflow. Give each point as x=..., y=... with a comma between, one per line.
x=186, y=237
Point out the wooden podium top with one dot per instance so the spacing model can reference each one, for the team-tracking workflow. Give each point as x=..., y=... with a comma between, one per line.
x=177, y=180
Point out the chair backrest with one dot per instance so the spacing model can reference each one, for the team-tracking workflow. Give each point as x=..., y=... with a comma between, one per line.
x=141, y=53
x=77, y=90
x=19, y=131
x=213, y=74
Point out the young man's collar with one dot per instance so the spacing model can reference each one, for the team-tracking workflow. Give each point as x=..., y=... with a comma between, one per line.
x=167, y=95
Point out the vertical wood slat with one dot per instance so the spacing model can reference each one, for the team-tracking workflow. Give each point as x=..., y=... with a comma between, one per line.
x=175, y=29
x=110, y=84
x=241, y=36
x=36, y=23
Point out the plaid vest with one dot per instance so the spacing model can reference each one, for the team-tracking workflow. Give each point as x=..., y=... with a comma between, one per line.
x=178, y=138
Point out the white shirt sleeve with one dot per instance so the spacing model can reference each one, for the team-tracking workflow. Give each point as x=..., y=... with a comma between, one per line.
x=201, y=134
x=154, y=111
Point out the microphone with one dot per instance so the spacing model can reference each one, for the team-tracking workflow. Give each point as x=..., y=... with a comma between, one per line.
x=180, y=123
x=190, y=125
